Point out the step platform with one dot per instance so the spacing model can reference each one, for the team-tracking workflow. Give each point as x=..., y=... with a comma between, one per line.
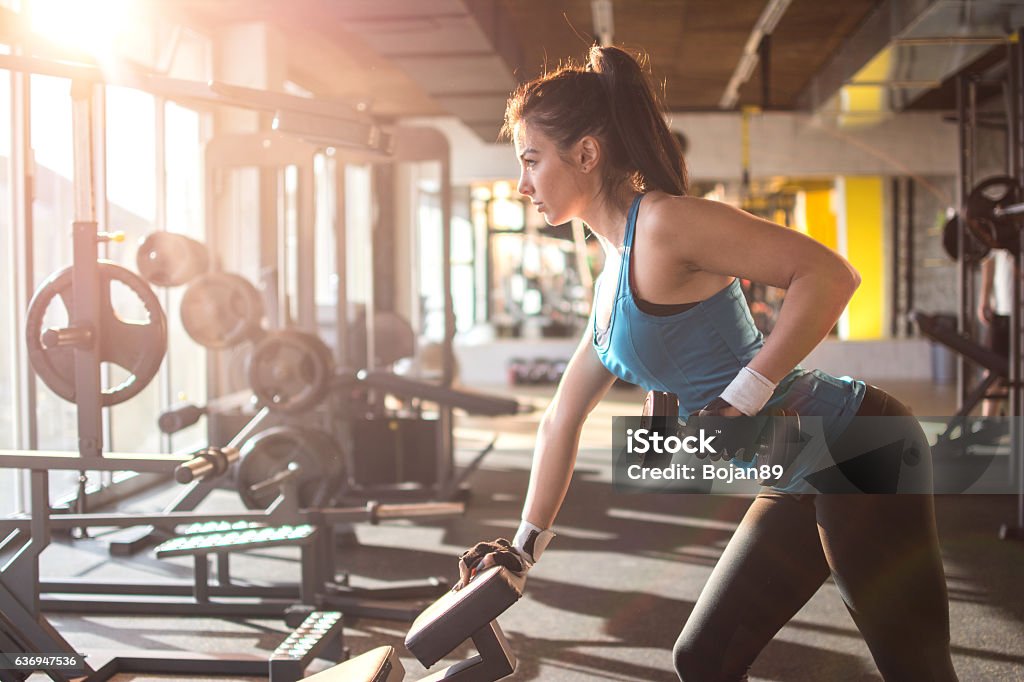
x=319, y=635
x=236, y=540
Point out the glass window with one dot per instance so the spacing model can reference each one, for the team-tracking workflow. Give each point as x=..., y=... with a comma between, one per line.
x=324, y=170
x=358, y=226
x=9, y=337
x=52, y=216
x=131, y=208
x=186, y=359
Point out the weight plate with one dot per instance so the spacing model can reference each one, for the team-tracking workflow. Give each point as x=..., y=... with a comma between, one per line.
x=166, y=259
x=975, y=250
x=136, y=345
x=290, y=371
x=270, y=452
x=393, y=337
x=221, y=309
x=995, y=232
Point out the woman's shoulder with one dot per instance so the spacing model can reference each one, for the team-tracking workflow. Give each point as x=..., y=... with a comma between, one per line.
x=666, y=212
x=658, y=204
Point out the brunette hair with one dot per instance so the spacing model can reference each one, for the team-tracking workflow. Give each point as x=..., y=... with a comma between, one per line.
x=612, y=99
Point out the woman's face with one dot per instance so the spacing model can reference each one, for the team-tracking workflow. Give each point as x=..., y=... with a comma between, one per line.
x=552, y=183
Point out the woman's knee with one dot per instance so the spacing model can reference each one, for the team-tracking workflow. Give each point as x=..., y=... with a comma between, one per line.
x=688, y=662
x=695, y=661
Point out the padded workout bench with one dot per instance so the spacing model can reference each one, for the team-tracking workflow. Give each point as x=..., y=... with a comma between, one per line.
x=469, y=613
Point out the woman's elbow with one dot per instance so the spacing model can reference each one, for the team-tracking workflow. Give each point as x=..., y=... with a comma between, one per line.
x=854, y=278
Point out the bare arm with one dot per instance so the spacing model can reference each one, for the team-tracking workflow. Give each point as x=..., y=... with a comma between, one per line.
x=988, y=271
x=718, y=238
x=582, y=386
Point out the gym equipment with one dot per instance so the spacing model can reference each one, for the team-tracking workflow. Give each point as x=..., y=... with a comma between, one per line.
x=290, y=371
x=378, y=665
x=221, y=309
x=313, y=457
x=388, y=451
x=518, y=371
x=996, y=366
x=773, y=437
x=471, y=402
x=166, y=259
x=321, y=631
x=137, y=346
x=393, y=338
x=974, y=251
x=993, y=211
x=206, y=462
x=469, y=613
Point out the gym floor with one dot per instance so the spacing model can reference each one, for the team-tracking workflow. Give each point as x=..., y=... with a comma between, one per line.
x=609, y=598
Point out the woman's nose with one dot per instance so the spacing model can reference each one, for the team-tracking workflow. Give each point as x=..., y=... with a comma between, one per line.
x=524, y=187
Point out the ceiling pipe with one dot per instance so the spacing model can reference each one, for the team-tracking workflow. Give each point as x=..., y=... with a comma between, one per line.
x=604, y=22
x=765, y=26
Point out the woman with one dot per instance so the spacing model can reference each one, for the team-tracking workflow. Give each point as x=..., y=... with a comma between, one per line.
x=669, y=315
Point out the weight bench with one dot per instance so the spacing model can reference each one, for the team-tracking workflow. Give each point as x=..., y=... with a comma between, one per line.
x=469, y=613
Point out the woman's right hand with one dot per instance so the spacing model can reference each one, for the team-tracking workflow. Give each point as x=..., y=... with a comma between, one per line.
x=483, y=555
x=985, y=312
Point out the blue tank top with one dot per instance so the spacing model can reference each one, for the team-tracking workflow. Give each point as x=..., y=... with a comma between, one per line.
x=696, y=353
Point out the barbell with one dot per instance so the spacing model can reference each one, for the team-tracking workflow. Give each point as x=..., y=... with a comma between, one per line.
x=993, y=212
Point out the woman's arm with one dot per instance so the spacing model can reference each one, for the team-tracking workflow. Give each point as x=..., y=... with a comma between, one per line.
x=718, y=238
x=988, y=270
x=582, y=386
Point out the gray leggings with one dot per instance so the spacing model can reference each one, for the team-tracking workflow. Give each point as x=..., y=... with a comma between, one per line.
x=882, y=551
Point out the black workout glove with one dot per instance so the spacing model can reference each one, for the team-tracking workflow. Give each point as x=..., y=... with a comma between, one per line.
x=735, y=438
x=502, y=554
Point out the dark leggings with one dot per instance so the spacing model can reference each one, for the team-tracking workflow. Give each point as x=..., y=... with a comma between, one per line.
x=882, y=551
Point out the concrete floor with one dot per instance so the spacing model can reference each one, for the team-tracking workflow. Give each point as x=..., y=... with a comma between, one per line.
x=610, y=596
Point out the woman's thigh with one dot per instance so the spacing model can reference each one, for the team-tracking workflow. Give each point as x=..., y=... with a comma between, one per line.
x=770, y=568
x=883, y=552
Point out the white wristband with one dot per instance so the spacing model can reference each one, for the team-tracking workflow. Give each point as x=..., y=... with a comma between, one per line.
x=749, y=391
x=530, y=541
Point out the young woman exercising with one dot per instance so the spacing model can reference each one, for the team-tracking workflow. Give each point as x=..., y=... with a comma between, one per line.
x=669, y=315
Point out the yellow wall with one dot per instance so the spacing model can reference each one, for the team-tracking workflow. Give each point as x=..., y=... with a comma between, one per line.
x=821, y=218
x=863, y=201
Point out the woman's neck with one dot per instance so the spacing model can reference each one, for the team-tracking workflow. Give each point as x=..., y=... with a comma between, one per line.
x=607, y=215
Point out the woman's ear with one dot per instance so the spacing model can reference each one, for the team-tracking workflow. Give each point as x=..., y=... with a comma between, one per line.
x=588, y=153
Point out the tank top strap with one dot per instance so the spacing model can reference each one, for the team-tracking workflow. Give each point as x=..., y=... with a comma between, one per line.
x=627, y=248
x=634, y=209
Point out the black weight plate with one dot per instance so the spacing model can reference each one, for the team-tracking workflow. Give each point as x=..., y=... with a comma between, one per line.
x=995, y=232
x=290, y=371
x=166, y=259
x=270, y=452
x=221, y=309
x=393, y=337
x=975, y=250
x=137, y=346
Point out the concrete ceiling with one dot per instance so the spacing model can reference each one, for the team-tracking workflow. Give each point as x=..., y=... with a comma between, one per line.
x=462, y=57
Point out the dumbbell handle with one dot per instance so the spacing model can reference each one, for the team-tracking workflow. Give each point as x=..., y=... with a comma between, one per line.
x=179, y=417
x=1011, y=209
x=208, y=461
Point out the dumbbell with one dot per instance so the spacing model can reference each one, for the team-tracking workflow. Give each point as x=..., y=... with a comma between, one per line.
x=443, y=626
x=773, y=437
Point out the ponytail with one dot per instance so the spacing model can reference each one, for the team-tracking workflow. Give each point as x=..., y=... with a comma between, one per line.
x=611, y=99
x=650, y=148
